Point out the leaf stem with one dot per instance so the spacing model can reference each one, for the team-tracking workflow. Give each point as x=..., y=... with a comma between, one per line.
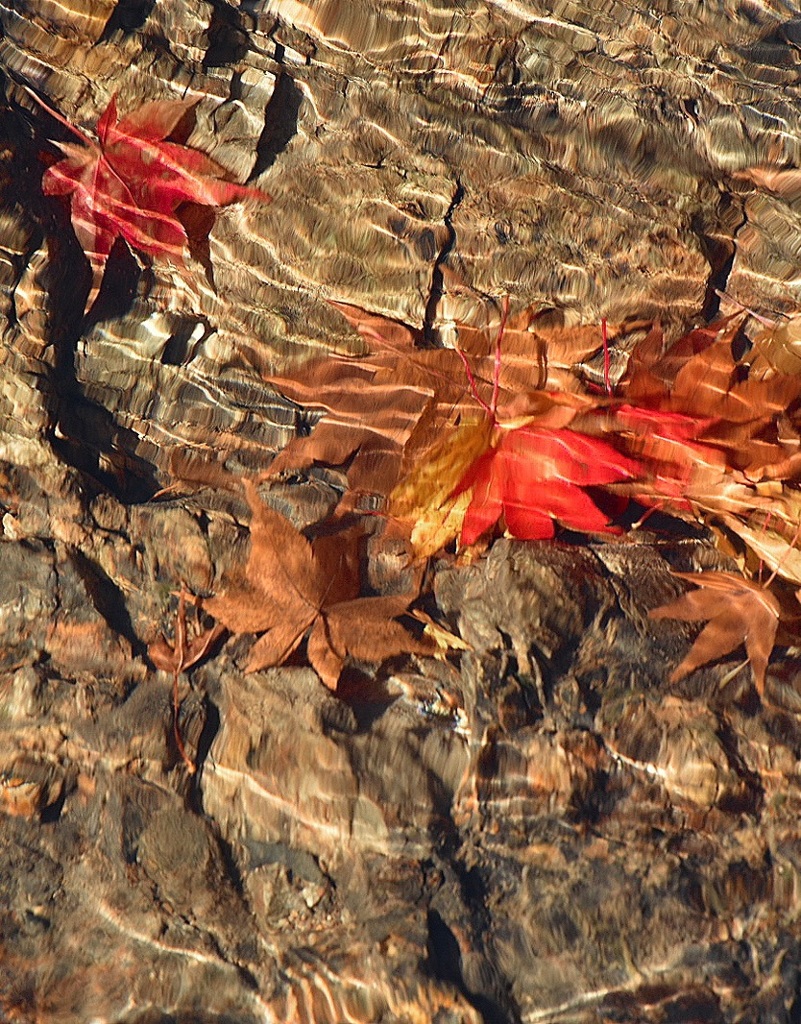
x=496, y=374
x=605, y=340
x=783, y=558
x=471, y=380
x=60, y=118
x=492, y=408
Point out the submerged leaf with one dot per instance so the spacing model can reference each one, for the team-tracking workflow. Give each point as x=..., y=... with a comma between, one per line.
x=293, y=587
x=535, y=477
x=737, y=611
x=387, y=413
x=715, y=436
x=130, y=182
x=777, y=348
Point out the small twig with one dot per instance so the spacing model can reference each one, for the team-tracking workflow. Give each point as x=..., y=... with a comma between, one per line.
x=176, y=658
x=745, y=309
x=732, y=673
x=179, y=666
x=647, y=515
x=59, y=117
x=783, y=558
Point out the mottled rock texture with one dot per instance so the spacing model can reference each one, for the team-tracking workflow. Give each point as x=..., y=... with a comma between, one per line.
x=539, y=828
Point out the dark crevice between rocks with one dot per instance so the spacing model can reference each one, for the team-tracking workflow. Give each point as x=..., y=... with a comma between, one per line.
x=177, y=350
x=230, y=864
x=118, y=288
x=198, y=221
x=719, y=250
x=107, y=600
x=720, y=256
x=445, y=964
x=437, y=276
x=194, y=795
x=52, y=811
x=92, y=432
x=85, y=434
x=467, y=895
x=211, y=726
x=227, y=36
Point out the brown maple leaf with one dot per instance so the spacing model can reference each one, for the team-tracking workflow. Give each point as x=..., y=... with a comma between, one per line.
x=293, y=587
x=737, y=611
x=710, y=400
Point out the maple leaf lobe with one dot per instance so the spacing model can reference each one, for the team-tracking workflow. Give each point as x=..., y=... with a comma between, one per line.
x=535, y=477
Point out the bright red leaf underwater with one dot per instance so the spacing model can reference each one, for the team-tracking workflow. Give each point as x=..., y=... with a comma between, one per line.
x=535, y=477
x=130, y=183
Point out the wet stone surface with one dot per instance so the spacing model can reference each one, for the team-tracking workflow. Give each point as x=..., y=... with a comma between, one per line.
x=538, y=827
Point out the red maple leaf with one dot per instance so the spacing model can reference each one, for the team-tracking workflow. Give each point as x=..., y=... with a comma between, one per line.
x=535, y=477
x=130, y=182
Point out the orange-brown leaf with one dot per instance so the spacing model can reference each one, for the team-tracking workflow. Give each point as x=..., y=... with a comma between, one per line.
x=292, y=587
x=709, y=429
x=736, y=610
x=699, y=380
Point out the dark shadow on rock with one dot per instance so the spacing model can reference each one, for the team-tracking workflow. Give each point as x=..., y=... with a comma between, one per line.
x=779, y=48
x=280, y=123
x=177, y=351
x=445, y=963
x=118, y=287
x=228, y=40
x=107, y=600
x=128, y=16
x=211, y=726
x=198, y=221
